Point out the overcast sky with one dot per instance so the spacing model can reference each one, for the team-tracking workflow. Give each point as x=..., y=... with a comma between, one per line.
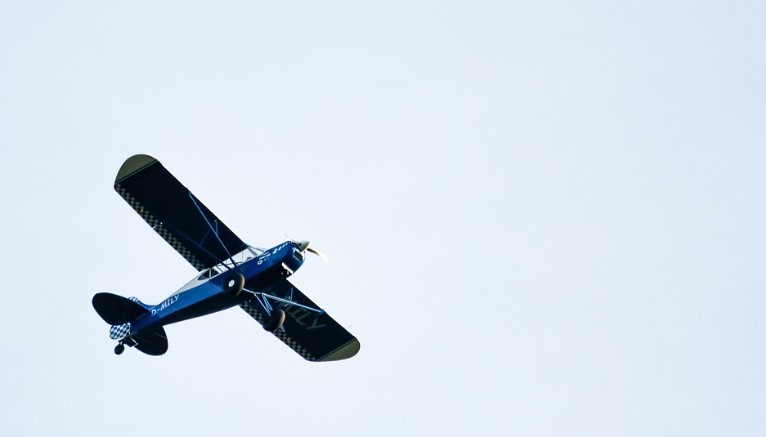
x=543, y=218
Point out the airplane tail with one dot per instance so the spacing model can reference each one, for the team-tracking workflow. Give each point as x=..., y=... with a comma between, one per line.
x=120, y=312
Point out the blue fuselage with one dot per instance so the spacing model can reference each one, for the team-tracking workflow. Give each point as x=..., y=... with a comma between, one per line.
x=211, y=291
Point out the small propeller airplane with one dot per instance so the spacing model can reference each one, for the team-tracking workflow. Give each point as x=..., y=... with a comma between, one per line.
x=230, y=273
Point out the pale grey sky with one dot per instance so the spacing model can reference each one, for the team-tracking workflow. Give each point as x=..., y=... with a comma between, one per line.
x=543, y=218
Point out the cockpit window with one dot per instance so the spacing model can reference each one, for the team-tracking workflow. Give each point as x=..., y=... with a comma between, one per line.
x=207, y=274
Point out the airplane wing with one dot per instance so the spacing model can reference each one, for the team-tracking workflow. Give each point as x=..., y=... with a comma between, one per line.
x=314, y=336
x=174, y=213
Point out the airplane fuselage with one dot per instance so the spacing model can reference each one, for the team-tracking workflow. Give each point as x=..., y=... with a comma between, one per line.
x=213, y=289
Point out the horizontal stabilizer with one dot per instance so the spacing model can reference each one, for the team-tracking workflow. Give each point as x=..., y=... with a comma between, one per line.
x=152, y=342
x=117, y=310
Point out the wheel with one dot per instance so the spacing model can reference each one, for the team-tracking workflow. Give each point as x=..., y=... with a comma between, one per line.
x=233, y=286
x=276, y=320
x=119, y=349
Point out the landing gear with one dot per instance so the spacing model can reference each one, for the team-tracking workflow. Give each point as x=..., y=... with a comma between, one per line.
x=233, y=285
x=275, y=320
x=119, y=349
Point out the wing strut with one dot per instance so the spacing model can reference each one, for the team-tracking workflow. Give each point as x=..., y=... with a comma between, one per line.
x=263, y=299
x=215, y=232
x=190, y=239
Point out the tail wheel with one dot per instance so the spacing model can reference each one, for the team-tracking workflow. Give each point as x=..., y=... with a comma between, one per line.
x=274, y=321
x=119, y=349
x=234, y=285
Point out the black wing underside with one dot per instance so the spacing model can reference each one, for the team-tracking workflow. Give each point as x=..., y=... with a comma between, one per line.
x=315, y=337
x=174, y=213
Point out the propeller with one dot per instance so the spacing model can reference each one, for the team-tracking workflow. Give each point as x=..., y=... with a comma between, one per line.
x=305, y=246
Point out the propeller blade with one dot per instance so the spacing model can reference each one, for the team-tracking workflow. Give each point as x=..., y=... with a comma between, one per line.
x=304, y=246
x=319, y=254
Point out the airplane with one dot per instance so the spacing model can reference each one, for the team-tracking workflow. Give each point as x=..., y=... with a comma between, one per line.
x=230, y=274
